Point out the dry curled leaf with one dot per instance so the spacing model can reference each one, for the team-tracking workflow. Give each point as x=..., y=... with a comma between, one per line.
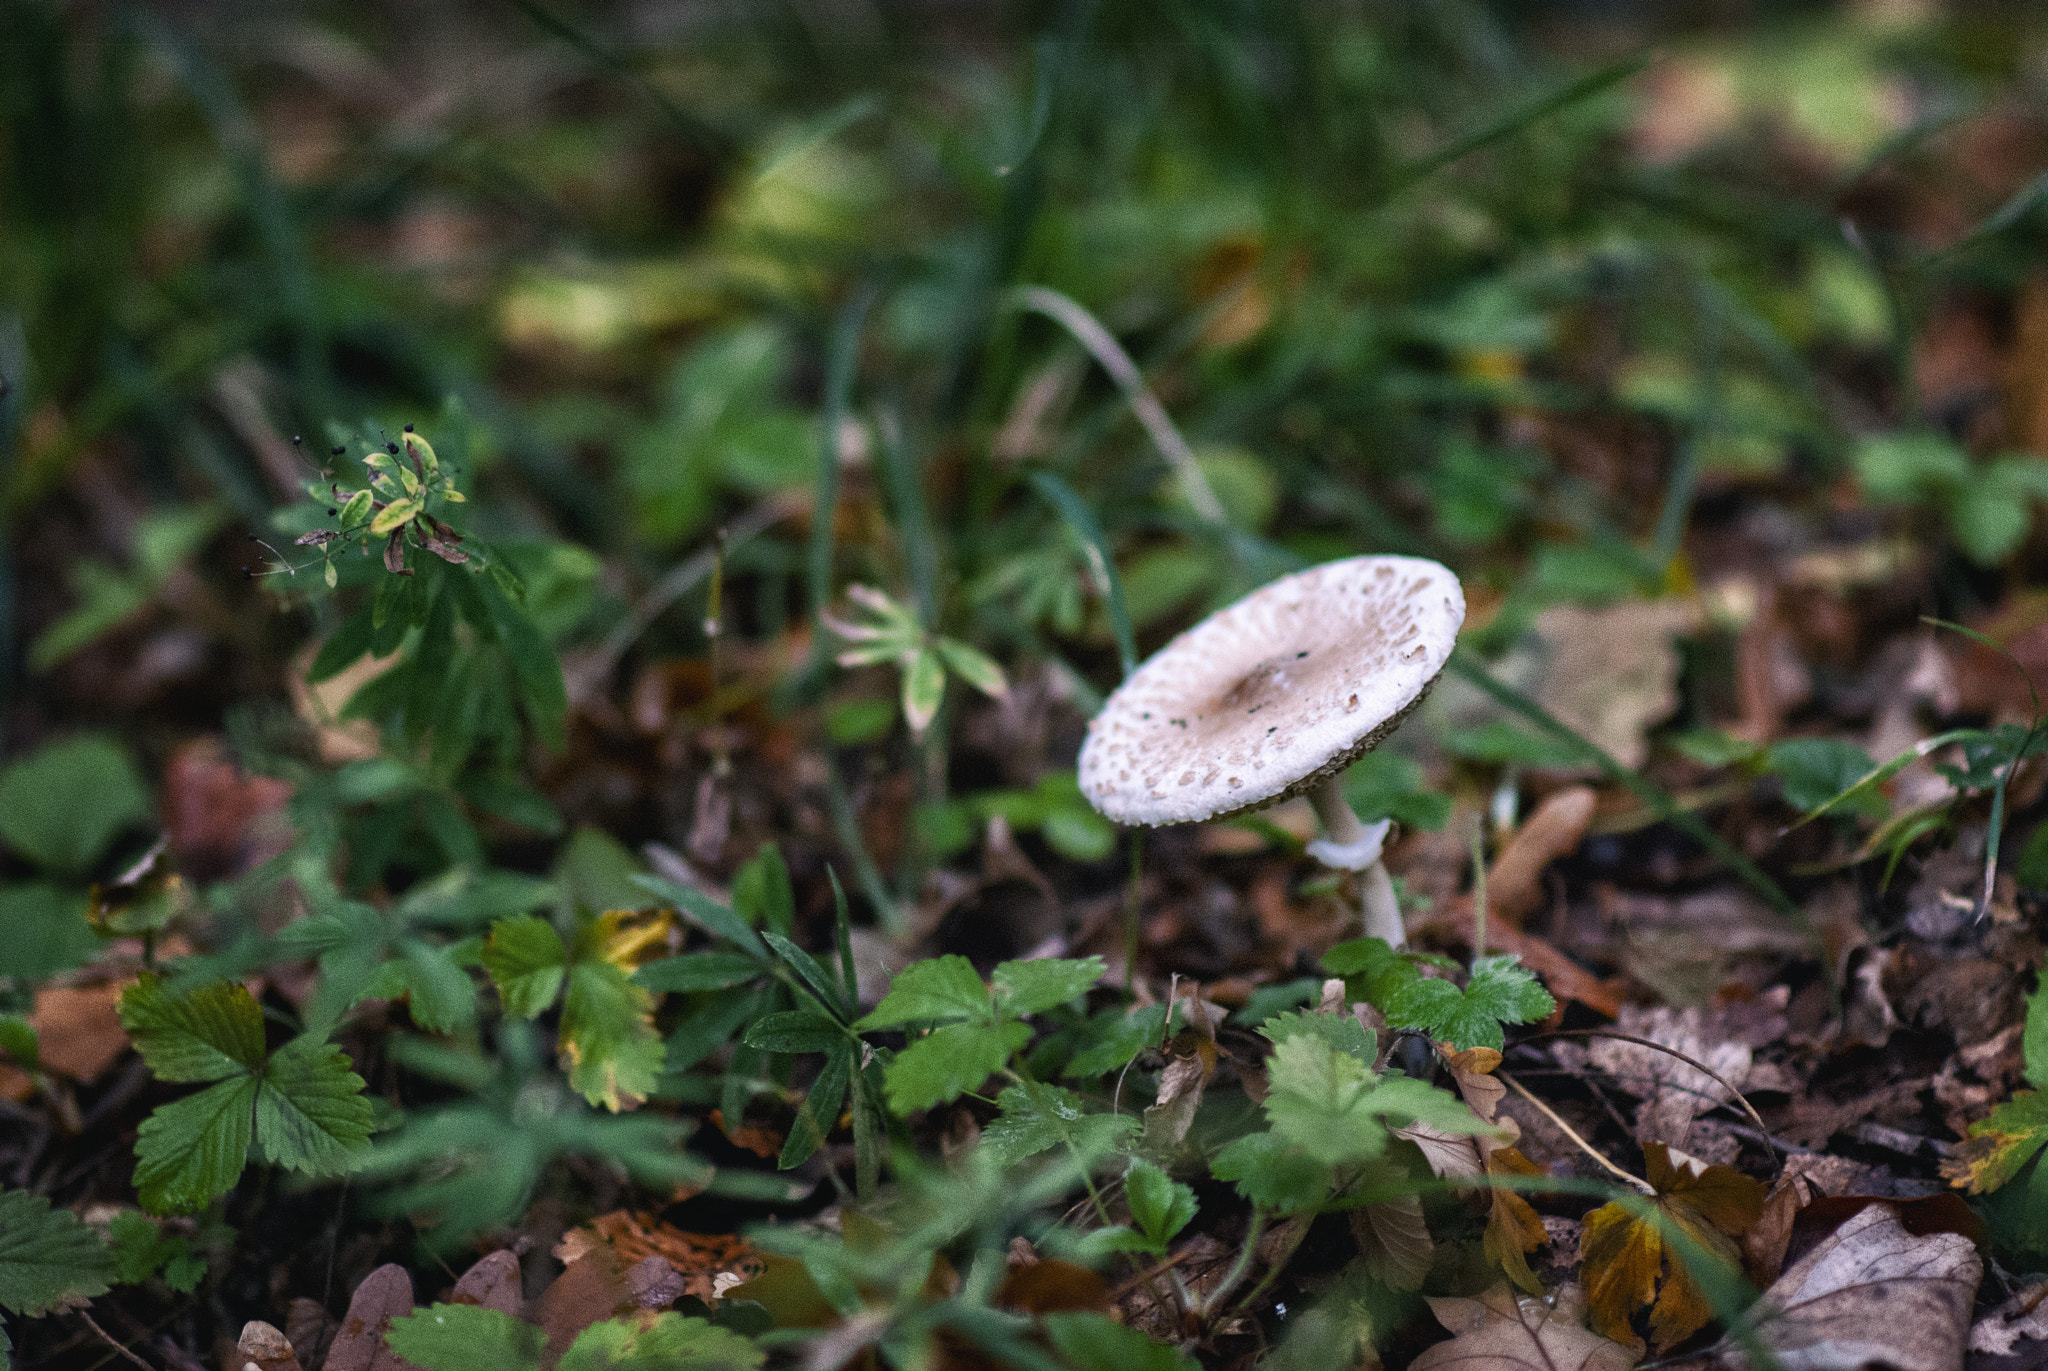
x=1500, y=1332
x=1723, y=1039
x=1628, y=1264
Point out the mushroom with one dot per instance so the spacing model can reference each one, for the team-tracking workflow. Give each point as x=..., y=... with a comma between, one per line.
x=1275, y=696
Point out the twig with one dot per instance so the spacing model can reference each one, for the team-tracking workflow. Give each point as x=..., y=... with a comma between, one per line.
x=108, y=1339
x=1698, y=1066
x=1551, y=1114
x=1103, y=346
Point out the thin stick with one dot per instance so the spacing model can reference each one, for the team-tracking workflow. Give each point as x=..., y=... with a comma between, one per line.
x=1698, y=1066
x=1103, y=346
x=108, y=1339
x=1551, y=1114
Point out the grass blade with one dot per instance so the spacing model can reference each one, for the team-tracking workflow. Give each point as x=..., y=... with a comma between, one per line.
x=1081, y=520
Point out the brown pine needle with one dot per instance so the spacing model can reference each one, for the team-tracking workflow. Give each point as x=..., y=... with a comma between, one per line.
x=1551, y=1114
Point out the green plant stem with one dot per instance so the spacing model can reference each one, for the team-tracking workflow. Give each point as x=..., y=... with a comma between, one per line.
x=1133, y=901
x=1232, y=1277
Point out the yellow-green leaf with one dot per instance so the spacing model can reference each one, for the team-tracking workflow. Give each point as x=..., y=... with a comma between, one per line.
x=392, y=515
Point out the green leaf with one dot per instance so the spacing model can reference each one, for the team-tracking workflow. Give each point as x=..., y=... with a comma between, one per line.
x=924, y=686
x=1385, y=785
x=932, y=991
x=141, y=1250
x=18, y=1039
x=47, y=1257
x=1031, y=987
x=526, y=961
x=1095, y=1342
x=1160, y=1205
x=1816, y=770
x=62, y=804
x=1330, y=1105
x=671, y=1342
x=1898, y=467
x=949, y=1061
x=1372, y=970
x=1339, y=1031
x=821, y=982
x=796, y=1030
x=710, y=915
x=1038, y=1118
x=818, y=1110
x=465, y=1337
x=354, y=510
x=392, y=515
x=533, y=659
x=1711, y=747
x=1079, y=834
x=312, y=1114
x=1500, y=990
x=973, y=667
x=440, y=995
x=608, y=1037
x=761, y=892
x=1268, y=1170
x=698, y=971
x=193, y=1149
x=349, y=642
x=2034, y=1043
x=1115, y=1037
x=211, y=1033
x=46, y=931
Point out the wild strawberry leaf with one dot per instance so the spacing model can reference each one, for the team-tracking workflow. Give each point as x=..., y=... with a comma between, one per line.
x=193, y=1149
x=48, y=1259
x=311, y=1113
x=932, y=991
x=1500, y=991
x=207, y=1034
x=608, y=1038
x=465, y=1337
x=1031, y=987
x=668, y=1342
x=526, y=961
x=949, y=1061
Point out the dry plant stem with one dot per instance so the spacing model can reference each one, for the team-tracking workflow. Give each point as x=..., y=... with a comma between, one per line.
x=108, y=1339
x=1382, y=912
x=1551, y=1114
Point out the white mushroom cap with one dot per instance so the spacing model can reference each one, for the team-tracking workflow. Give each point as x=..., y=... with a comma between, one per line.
x=1263, y=699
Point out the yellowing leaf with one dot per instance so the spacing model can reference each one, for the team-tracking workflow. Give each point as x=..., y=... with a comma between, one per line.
x=393, y=515
x=1513, y=1227
x=2000, y=1143
x=1628, y=1264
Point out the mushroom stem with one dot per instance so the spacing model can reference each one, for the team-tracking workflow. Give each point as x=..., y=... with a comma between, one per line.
x=1355, y=846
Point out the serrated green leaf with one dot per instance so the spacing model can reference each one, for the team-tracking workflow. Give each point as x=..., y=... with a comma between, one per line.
x=440, y=995
x=1039, y=1118
x=1114, y=1037
x=973, y=667
x=1328, y=1103
x=193, y=1149
x=924, y=687
x=526, y=961
x=312, y=1114
x=670, y=1342
x=695, y=971
x=608, y=1038
x=949, y=1061
x=1500, y=990
x=1268, y=1170
x=47, y=1257
x=931, y=991
x=1372, y=970
x=1160, y=1205
x=208, y=1034
x=1339, y=1031
x=1031, y=987
x=141, y=1251
x=2001, y=1144
x=465, y=1337
x=796, y=1030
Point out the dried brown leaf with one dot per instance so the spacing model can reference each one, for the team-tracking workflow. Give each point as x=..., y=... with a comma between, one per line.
x=1394, y=1240
x=1871, y=1293
x=1513, y=1227
x=384, y=1295
x=493, y=1283
x=1499, y=1332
